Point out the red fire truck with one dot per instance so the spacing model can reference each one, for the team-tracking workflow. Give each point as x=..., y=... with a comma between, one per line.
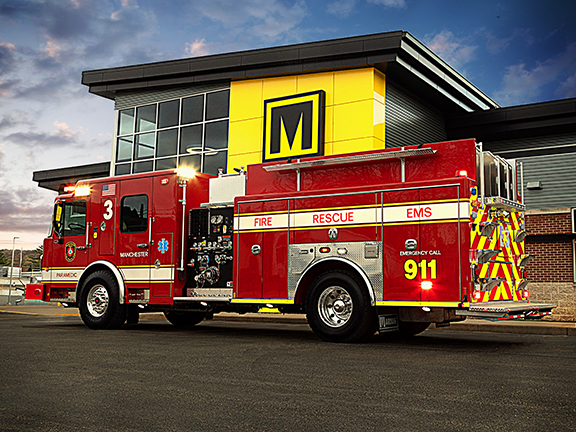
x=389, y=240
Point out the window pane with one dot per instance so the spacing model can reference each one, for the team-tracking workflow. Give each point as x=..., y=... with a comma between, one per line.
x=146, y=118
x=191, y=139
x=122, y=169
x=164, y=164
x=168, y=113
x=124, y=149
x=215, y=160
x=126, y=122
x=167, y=143
x=140, y=167
x=192, y=109
x=134, y=214
x=217, y=105
x=216, y=135
x=190, y=161
x=74, y=218
x=144, y=146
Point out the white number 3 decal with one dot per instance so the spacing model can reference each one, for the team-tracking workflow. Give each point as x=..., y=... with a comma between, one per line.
x=108, y=204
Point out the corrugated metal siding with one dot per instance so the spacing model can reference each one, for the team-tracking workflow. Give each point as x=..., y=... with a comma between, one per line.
x=507, y=148
x=410, y=121
x=558, y=177
x=144, y=97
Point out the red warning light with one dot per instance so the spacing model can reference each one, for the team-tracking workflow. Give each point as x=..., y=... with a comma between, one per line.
x=462, y=173
x=477, y=295
x=69, y=189
x=164, y=181
x=426, y=285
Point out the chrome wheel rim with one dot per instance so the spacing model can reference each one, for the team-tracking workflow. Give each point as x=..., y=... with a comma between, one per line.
x=98, y=300
x=335, y=306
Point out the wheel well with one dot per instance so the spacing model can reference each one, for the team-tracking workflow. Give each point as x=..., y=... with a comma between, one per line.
x=323, y=266
x=102, y=266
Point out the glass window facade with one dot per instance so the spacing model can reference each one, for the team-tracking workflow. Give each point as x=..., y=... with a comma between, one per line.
x=190, y=131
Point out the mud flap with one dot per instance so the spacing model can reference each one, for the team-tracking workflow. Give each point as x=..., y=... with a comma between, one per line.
x=388, y=323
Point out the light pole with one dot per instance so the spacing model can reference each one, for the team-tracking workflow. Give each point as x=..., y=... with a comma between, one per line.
x=11, y=270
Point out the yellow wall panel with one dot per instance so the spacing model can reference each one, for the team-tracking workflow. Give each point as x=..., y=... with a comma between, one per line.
x=322, y=81
x=354, y=112
x=278, y=87
x=245, y=136
x=353, y=120
x=353, y=85
x=379, y=83
x=354, y=145
x=243, y=160
x=245, y=100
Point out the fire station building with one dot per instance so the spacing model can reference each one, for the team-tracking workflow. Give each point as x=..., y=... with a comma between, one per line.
x=369, y=92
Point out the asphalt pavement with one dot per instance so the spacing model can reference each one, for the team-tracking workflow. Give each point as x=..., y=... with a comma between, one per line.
x=58, y=376
x=539, y=327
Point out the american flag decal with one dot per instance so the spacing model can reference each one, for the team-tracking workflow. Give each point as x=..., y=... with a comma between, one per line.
x=109, y=189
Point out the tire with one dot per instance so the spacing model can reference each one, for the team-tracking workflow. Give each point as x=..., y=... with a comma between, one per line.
x=100, y=306
x=339, y=309
x=408, y=329
x=183, y=318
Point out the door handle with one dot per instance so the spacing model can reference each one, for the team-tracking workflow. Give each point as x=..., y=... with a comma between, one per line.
x=256, y=249
x=142, y=245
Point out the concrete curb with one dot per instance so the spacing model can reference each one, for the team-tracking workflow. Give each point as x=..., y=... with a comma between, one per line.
x=517, y=327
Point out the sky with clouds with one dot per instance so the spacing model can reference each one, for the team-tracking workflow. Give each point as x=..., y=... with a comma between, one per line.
x=516, y=51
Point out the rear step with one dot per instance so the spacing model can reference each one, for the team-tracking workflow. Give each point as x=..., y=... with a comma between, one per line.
x=501, y=310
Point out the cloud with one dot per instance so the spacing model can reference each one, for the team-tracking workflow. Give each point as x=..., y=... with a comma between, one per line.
x=456, y=52
x=23, y=210
x=341, y=8
x=268, y=20
x=389, y=3
x=567, y=89
x=523, y=84
x=63, y=135
x=197, y=48
x=496, y=45
x=14, y=118
x=7, y=58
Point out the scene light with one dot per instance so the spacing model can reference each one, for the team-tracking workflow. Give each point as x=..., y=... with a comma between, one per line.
x=185, y=172
x=83, y=190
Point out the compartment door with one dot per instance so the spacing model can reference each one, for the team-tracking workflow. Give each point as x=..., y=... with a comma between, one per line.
x=401, y=236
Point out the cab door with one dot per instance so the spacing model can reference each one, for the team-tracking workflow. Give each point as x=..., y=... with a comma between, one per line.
x=68, y=248
x=135, y=237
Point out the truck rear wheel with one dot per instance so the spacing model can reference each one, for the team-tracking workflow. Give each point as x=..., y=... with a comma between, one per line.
x=184, y=318
x=412, y=328
x=100, y=306
x=338, y=308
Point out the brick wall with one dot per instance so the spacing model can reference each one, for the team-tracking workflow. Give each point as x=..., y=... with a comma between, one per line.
x=551, y=270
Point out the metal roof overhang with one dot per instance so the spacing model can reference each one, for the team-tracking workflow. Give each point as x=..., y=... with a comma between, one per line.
x=520, y=121
x=56, y=179
x=397, y=54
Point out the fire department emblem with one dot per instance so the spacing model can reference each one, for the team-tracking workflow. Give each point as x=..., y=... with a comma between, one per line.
x=163, y=245
x=70, y=251
x=333, y=233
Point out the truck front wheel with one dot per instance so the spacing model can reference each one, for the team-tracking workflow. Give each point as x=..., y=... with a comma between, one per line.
x=338, y=308
x=100, y=307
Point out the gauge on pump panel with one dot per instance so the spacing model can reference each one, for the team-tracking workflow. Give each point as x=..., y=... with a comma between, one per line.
x=216, y=219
